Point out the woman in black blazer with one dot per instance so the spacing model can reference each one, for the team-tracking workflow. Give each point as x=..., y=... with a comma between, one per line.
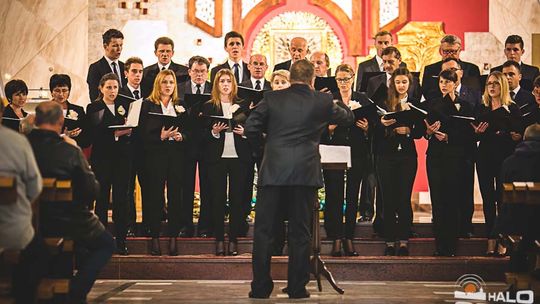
x=110, y=157
x=164, y=138
x=74, y=115
x=497, y=141
x=355, y=137
x=396, y=163
x=228, y=155
x=16, y=93
x=451, y=142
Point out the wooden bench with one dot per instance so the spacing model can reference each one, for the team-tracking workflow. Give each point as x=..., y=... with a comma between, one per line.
x=527, y=194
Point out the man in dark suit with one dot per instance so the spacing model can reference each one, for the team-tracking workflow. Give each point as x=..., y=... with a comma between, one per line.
x=298, y=50
x=113, y=41
x=127, y=94
x=164, y=51
x=234, y=45
x=450, y=48
x=474, y=98
x=382, y=40
x=257, y=67
x=391, y=61
x=293, y=119
x=513, y=50
x=197, y=84
x=522, y=97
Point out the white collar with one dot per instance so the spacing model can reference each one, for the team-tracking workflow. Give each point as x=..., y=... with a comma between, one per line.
x=516, y=90
x=232, y=63
x=169, y=110
x=458, y=88
x=254, y=82
x=379, y=62
x=404, y=99
x=111, y=61
x=194, y=87
x=166, y=66
x=133, y=89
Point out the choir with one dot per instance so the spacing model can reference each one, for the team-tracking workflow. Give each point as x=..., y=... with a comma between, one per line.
x=188, y=121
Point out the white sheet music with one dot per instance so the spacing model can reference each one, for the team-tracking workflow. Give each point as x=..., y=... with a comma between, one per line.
x=335, y=154
x=133, y=115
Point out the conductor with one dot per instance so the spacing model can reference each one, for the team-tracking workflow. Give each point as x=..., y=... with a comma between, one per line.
x=293, y=120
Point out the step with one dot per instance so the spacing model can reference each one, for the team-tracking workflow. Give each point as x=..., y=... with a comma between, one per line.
x=362, y=230
x=210, y=267
x=365, y=247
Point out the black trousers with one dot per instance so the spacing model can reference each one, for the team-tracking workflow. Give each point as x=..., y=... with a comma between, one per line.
x=188, y=196
x=490, y=188
x=163, y=167
x=445, y=176
x=114, y=172
x=468, y=193
x=396, y=179
x=32, y=267
x=334, y=184
x=236, y=171
x=205, y=224
x=300, y=204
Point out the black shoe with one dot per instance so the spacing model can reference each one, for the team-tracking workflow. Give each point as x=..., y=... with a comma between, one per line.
x=348, y=248
x=204, y=234
x=365, y=218
x=302, y=295
x=121, y=248
x=173, y=248
x=155, y=250
x=251, y=295
x=185, y=234
x=220, y=248
x=233, y=248
x=336, y=248
x=390, y=251
x=403, y=251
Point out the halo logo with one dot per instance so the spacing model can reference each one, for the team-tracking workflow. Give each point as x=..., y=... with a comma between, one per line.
x=473, y=289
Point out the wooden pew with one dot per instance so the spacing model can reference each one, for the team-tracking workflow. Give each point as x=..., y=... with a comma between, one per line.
x=528, y=194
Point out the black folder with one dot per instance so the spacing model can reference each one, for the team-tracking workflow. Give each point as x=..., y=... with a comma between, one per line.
x=326, y=82
x=368, y=111
x=365, y=79
x=380, y=95
x=166, y=120
x=408, y=118
x=194, y=102
x=71, y=124
x=250, y=95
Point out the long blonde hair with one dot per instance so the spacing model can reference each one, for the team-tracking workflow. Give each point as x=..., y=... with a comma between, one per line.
x=155, y=96
x=216, y=100
x=505, y=90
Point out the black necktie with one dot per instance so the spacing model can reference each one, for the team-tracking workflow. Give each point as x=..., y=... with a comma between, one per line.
x=237, y=72
x=113, y=64
x=136, y=94
x=512, y=95
x=198, y=89
x=163, y=68
x=258, y=85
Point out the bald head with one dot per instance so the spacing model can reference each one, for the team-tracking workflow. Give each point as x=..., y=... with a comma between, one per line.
x=298, y=49
x=532, y=132
x=49, y=116
x=321, y=62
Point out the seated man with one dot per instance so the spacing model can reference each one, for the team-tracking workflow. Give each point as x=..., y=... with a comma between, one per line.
x=16, y=231
x=59, y=157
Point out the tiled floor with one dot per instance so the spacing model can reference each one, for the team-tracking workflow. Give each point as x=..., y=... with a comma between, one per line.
x=187, y=292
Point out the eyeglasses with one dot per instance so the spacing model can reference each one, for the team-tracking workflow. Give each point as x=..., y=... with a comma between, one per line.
x=258, y=64
x=493, y=84
x=200, y=71
x=454, y=69
x=450, y=52
x=343, y=80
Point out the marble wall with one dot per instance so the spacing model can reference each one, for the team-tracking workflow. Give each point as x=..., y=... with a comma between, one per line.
x=39, y=38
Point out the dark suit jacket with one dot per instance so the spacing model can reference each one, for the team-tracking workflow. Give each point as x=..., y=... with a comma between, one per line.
x=369, y=65
x=185, y=88
x=285, y=65
x=293, y=119
x=528, y=72
x=9, y=113
x=246, y=74
x=524, y=98
x=415, y=91
x=431, y=72
x=96, y=71
x=213, y=147
x=150, y=73
x=100, y=135
x=249, y=84
x=81, y=122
